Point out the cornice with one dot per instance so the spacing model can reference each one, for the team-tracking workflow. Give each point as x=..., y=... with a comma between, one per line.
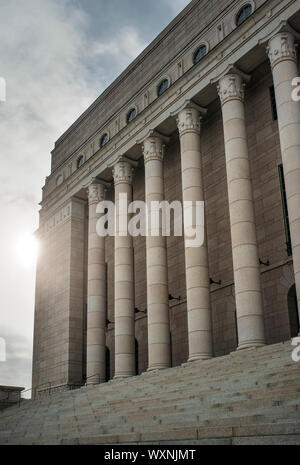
x=153, y=133
x=188, y=103
x=283, y=26
x=230, y=69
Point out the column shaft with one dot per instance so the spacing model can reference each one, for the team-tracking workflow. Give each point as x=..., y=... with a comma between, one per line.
x=157, y=265
x=283, y=57
x=124, y=277
x=248, y=293
x=96, y=309
x=196, y=258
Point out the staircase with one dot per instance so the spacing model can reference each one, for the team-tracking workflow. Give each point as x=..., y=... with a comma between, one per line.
x=248, y=397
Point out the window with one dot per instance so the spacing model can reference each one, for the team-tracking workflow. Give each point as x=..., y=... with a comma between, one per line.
x=107, y=364
x=293, y=311
x=131, y=115
x=244, y=14
x=273, y=103
x=200, y=53
x=163, y=86
x=103, y=140
x=80, y=161
x=136, y=348
x=285, y=212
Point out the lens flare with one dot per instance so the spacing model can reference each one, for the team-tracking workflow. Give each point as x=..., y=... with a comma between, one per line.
x=26, y=250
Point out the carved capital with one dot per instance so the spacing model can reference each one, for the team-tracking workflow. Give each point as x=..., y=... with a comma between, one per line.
x=96, y=192
x=122, y=172
x=281, y=47
x=188, y=120
x=153, y=148
x=231, y=87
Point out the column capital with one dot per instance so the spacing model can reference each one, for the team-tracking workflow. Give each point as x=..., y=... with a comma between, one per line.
x=282, y=47
x=123, y=172
x=188, y=119
x=231, y=87
x=96, y=192
x=153, y=146
x=189, y=115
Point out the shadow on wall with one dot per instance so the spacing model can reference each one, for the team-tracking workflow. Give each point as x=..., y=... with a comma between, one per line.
x=293, y=311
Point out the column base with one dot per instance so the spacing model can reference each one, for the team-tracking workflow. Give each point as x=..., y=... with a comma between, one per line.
x=199, y=358
x=157, y=368
x=120, y=377
x=250, y=345
x=93, y=381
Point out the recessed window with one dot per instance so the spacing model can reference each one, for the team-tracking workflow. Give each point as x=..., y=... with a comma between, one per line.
x=285, y=212
x=244, y=14
x=273, y=103
x=80, y=161
x=200, y=53
x=163, y=86
x=131, y=115
x=103, y=140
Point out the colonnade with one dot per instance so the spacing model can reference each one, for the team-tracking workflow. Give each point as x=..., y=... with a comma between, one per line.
x=248, y=291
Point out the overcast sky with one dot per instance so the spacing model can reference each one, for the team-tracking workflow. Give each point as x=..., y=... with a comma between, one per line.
x=56, y=56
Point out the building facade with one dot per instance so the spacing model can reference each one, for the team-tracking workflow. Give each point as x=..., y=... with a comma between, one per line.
x=208, y=112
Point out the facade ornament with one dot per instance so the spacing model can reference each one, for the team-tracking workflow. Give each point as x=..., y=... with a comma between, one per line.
x=122, y=172
x=95, y=192
x=153, y=149
x=231, y=86
x=188, y=119
x=282, y=46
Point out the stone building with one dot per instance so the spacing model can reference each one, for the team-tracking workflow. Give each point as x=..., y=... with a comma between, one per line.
x=208, y=111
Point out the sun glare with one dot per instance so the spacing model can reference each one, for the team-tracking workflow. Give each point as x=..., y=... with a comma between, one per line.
x=26, y=250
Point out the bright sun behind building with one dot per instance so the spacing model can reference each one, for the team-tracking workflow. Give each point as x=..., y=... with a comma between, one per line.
x=26, y=249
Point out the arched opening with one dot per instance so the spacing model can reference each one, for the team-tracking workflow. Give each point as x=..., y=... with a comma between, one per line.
x=199, y=54
x=163, y=86
x=244, y=14
x=131, y=115
x=104, y=140
x=136, y=357
x=293, y=311
x=80, y=161
x=107, y=364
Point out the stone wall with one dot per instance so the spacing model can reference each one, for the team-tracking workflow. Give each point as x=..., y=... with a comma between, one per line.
x=58, y=357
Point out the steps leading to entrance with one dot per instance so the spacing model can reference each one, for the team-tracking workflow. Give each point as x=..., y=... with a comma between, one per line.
x=248, y=397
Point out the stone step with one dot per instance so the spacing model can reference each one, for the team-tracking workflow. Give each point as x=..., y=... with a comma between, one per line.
x=247, y=396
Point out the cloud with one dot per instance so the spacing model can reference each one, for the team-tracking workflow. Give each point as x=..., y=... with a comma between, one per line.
x=43, y=47
x=16, y=369
x=127, y=44
x=57, y=56
x=177, y=5
x=51, y=66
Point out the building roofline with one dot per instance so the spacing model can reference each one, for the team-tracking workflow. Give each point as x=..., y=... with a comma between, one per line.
x=129, y=69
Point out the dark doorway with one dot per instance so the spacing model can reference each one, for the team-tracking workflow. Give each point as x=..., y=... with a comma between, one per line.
x=107, y=364
x=293, y=311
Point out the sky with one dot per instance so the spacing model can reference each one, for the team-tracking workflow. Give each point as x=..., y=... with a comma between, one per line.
x=57, y=57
